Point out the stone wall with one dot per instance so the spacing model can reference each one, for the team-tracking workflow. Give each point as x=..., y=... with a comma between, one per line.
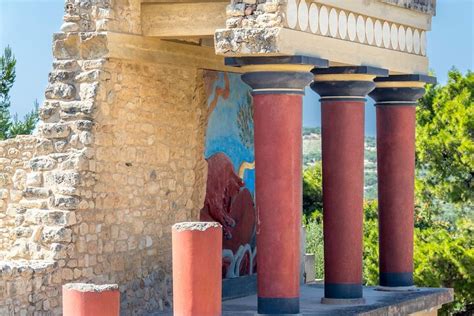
x=425, y=6
x=255, y=14
x=116, y=160
x=14, y=157
x=29, y=288
x=102, y=15
x=149, y=171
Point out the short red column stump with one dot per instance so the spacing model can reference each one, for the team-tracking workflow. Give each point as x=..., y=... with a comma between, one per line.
x=197, y=266
x=82, y=299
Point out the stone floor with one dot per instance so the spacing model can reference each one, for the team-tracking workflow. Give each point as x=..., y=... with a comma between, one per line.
x=377, y=302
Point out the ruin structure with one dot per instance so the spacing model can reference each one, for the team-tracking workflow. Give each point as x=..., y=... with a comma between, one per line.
x=147, y=122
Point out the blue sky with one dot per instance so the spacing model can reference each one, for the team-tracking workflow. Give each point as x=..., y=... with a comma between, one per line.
x=27, y=26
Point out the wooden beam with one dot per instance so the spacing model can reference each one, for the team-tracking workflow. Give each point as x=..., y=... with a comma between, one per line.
x=159, y=51
x=172, y=20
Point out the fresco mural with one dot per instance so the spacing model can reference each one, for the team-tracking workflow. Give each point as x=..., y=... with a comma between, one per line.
x=231, y=177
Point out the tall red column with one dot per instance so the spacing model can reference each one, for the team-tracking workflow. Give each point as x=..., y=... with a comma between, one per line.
x=278, y=86
x=343, y=91
x=396, y=98
x=278, y=141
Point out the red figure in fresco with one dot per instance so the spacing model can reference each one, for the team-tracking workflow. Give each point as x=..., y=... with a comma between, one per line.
x=222, y=185
x=230, y=203
x=243, y=212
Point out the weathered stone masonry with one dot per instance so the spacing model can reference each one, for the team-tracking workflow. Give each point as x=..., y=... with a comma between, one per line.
x=116, y=160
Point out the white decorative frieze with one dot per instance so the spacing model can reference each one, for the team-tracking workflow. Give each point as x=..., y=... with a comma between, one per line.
x=311, y=17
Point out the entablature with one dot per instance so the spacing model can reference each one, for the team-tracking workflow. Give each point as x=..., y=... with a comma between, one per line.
x=390, y=34
x=359, y=32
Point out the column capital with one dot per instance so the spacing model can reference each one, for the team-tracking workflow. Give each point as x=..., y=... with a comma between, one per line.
x=346, y=83
x=277, y=74
x=400, y=90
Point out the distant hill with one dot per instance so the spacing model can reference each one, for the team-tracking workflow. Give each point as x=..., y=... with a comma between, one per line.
x=312, y=154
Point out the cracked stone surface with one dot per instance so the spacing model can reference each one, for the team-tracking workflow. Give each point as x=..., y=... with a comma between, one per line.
x=199, y=226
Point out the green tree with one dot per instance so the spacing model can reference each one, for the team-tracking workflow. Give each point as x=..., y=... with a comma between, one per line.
x=312, y=189
x=445, y=143
x=11, y=127
x=7, y=78
x=315, y=241
x=371, y=243
x=26, y=126
x=443, y=257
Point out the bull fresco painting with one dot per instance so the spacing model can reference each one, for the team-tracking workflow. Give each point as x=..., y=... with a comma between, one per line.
x=231, y=178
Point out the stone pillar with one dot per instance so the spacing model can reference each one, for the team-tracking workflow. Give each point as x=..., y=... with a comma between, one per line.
x=396, y=98
x=83, y=299
x=343, y=91
x=278, y=86
x=197, y=264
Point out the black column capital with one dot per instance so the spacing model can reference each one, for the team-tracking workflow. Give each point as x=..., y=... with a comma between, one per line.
x=348, y=83
x=400, y=90
x=277, y=74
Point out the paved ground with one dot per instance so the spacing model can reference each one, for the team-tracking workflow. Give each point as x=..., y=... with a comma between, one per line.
x=377, y=302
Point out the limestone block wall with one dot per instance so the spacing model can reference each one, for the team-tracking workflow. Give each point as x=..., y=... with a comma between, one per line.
x=28, y=288
x=116, y=160
x=31, y=229
x=255, y=14
x=102, y=15
x=150, y=169
x=14, y=157
x=54, y=183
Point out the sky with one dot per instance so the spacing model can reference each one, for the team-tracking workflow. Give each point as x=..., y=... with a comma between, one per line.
x=27, y=26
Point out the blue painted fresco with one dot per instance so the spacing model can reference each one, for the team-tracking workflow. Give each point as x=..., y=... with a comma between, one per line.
x=230, y=125
x=229, y=152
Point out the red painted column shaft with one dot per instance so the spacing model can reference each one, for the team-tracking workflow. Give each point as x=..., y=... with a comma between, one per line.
x=197, y=277
x=80, y=299
x=343, y=187
x=278, y=150
x=396, y=174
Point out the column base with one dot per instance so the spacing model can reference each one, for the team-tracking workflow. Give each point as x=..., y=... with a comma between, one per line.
x=278, y=314
x=397, y=288
x=343, y=291
x=343, y=301
x=396, y=279
x=279, y=306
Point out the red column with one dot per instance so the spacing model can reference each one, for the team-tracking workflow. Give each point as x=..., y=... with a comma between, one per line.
x=197, y=277
x=277, y=121
x=396, y=98
x=343, y=188
x=278, y=86
x=396, y=175
x=343, y=91
x=81, y=299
